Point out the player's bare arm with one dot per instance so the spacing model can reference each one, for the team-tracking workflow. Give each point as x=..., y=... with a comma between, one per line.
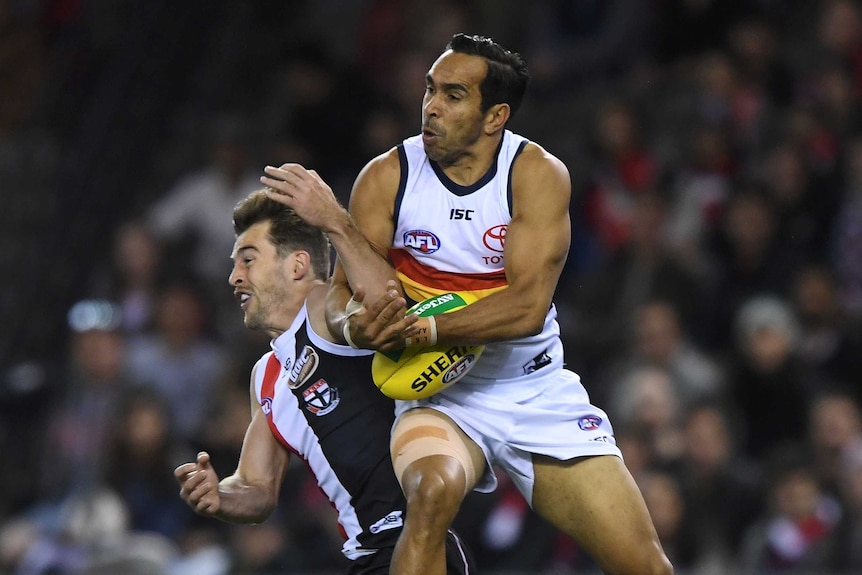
x=537, y=244
x=365, y=265
x=250, y=495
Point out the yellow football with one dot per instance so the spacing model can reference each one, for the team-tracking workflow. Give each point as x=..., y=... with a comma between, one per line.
x=417, y=372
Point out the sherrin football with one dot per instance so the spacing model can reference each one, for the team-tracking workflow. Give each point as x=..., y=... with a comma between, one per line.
x=417, y=372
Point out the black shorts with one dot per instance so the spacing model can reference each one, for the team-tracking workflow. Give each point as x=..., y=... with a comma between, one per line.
x=459, y=560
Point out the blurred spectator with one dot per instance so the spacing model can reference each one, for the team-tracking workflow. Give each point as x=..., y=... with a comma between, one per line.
x=723, y=101
x=754, y=46
x=78, y=428
x=132, y=276
x=195, y=212
x=604, y=303
x=768, y=381
x=828, y=344
x=834, y=427
x=623, y=170
x=749, y=260
x=839, y=36
x=805, y=205
x=701, y=187
x=141, y=457
x=794, y=533
x=722, y=489
x=179, y=357
x=659, y=340
x=644, y=403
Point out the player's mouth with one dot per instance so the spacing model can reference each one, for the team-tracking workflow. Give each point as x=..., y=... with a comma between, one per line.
x=243, y=299
x=430, y=132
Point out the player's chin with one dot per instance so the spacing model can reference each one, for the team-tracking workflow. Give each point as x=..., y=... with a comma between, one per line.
x=251, y=321
x=432, y=148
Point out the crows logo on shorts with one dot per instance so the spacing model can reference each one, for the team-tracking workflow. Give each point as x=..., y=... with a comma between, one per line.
x=320, y=398
x=589, y=422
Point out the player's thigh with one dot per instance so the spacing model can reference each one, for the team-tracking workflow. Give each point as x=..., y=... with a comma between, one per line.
x=596, y=501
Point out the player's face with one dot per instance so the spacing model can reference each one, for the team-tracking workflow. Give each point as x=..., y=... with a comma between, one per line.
x=261, y=280
x=451, y=107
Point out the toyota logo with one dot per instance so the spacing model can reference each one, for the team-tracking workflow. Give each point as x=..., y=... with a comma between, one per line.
x=495, y=238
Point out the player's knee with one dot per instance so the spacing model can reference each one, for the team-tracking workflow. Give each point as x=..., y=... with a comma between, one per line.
x=434, y=488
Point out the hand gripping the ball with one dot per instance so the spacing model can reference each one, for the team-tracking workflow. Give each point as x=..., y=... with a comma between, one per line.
x=416, y=372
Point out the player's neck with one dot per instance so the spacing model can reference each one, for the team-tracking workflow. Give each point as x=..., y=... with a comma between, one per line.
x=470, y=166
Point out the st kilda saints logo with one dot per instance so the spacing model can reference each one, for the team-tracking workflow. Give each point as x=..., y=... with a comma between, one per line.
x=320, y=398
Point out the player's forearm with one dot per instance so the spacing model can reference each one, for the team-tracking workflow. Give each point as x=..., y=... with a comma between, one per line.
x=240, y=502
x=362, y=264
x=502, y=316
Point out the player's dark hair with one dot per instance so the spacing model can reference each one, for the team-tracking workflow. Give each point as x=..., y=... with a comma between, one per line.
x=507, y=77
x=287, y=230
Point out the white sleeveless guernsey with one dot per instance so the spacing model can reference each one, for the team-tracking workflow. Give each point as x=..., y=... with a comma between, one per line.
x=450, y=237
x=518, y=399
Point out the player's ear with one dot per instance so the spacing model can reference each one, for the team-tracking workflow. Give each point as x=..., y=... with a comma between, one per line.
x=496, y=117
x=301, y=264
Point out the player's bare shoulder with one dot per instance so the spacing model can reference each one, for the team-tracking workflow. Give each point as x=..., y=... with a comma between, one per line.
x=377, y=182
x=372, y=200
x=539, y=171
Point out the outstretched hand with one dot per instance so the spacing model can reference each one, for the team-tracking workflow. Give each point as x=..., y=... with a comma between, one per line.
x=199, y=485
x=381, y=325
x=306, y=192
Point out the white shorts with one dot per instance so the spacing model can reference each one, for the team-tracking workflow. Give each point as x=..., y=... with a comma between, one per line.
x=547, y=412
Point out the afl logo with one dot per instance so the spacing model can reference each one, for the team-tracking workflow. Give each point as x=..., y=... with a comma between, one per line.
x=495, y=238
x=422, y=241
x=458, y=369
x=589, y=422
x=266, y=405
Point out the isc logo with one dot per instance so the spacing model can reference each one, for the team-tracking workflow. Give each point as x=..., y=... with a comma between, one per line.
x=421, y=240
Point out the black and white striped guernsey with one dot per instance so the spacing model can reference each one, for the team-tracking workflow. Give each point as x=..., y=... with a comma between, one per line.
x=322, y=405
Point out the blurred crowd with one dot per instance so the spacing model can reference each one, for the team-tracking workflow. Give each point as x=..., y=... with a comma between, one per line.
x=712, y=300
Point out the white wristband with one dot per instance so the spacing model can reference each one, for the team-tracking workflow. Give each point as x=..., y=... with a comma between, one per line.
x=345, y=331
x=352, y=308
x=424, y=340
